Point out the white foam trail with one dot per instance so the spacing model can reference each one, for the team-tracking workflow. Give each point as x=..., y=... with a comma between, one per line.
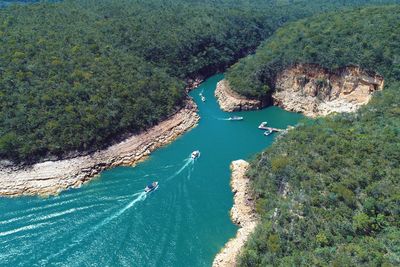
x=140, y=196
x=28, y=227
x=52, y=215
x=34, y=210
x=113, y=198
x=188, y=162
x=43, y=218
x=190, y=172
x=61, y=213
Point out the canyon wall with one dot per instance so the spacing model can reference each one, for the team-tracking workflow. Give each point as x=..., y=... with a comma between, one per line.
x=230, y=101
x=315, y=91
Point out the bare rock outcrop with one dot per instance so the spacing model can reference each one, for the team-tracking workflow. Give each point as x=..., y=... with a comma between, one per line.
x=50, y=177
x=315, y=91
x=242, y=213
x=193, y=83
x=231, y=101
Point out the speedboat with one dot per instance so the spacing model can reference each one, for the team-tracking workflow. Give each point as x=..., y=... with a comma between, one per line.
x=235, y=118
x=268, y=132
x=151, y=187
x=203, y=98
x=195, y=154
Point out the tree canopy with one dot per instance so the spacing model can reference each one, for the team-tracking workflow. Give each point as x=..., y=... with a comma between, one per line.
x=328, y=193
x=341, y=40
x=78, y=74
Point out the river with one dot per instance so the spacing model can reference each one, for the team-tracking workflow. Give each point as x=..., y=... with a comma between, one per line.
x=110, y=222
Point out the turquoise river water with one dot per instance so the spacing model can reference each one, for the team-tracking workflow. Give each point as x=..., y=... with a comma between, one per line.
x=111, y=222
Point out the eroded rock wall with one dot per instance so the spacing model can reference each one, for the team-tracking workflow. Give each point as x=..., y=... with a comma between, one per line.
x=231, y=101
x=315, y=91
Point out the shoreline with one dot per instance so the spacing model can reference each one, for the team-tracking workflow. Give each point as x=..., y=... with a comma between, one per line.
x=311, y=90
x=315, y=91
x=242, y=214
x=51, y=177
x=231, y=101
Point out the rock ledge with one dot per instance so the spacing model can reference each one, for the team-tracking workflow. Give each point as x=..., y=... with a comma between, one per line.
x=230, y=101
x=50, y=177
x=315, y=91
x=242, y=213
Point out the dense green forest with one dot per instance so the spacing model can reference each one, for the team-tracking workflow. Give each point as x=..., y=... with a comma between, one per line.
x=312, y=41
x=78, y=74
x=5, y=3
x=328, y=193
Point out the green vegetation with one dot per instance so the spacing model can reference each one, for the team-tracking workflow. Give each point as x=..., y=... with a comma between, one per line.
x=5, y=3
x=343, y=39
x=328, y=193
x=78, y=74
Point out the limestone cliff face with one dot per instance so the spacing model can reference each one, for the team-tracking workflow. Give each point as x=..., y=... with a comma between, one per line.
x=231, y=101
x=242, y=213
x=50, y=177
x=316, y=91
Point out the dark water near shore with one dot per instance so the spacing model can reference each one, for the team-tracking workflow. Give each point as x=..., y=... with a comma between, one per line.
x=110, y=222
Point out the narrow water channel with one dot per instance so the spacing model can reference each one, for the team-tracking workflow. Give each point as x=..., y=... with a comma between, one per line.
x=110, y=222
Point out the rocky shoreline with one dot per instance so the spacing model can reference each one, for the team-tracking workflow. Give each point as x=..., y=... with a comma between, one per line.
x=316, y=91
x=230, y=101
x=311, y=90
x=51, y=177
x=242, y=213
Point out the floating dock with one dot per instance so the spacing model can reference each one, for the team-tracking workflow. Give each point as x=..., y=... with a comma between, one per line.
x=272, y=129
x=263, y=126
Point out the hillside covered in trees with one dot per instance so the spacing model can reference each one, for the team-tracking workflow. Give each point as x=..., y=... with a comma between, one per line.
x=305, y=40
x=5, y=3
x=328, y=193
x=76, y=75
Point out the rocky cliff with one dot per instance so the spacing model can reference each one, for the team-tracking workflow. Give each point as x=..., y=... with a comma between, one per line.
x=242, y=213
x=50, y=177
x=231, y=101
x=315, y=91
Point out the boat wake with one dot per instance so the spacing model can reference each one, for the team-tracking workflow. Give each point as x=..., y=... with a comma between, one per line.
x=156, y=172
x=187, y=162
x=37, y=221
x=139, y=197
x=190, y=171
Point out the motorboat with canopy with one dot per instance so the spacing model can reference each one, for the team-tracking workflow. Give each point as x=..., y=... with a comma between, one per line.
x=151, y=187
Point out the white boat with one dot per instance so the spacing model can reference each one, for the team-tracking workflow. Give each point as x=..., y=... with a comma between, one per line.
x=195, y=154
x=151, y=187
x=268, y=132
x=235, y=118
x=203, y=98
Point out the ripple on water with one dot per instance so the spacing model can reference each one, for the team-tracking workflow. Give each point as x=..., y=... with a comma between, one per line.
x=111, y=222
